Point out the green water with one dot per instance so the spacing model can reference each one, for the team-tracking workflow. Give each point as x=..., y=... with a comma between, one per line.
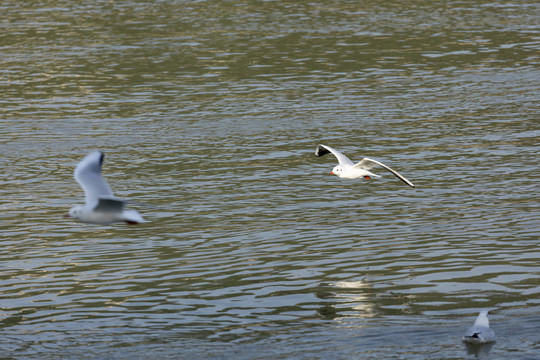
x=209, y=113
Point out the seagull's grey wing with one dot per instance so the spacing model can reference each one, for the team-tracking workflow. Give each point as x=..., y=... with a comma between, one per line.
x=110, y=205
x=473, y=332
x=88, y=175
x=369, y=164
x=479, y=334
x=342, y=159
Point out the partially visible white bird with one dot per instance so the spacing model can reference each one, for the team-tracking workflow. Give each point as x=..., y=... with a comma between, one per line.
x=349, y=170
x=100, y=207
x=480, y=332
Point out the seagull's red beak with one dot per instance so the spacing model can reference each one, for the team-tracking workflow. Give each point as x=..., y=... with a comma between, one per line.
x=66, y=215
x=331, y=173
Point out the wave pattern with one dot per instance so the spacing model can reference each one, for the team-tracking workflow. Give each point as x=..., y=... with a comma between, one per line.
x=251, y=247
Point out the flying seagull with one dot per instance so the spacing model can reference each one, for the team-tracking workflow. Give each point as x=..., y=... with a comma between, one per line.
x=100, y=206
x=349, y=170
x=480, y=332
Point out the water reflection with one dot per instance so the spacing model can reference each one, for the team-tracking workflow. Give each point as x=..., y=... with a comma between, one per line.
x=480, y=351
x=354, y=299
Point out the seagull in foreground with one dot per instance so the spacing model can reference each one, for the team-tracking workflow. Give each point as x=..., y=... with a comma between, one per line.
x=349, y=170
x=480, y=332
x=100, y=207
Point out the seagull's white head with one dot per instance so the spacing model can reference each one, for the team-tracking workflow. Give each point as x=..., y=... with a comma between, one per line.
x=482, y=319
x=337, y=170
x=75, y=212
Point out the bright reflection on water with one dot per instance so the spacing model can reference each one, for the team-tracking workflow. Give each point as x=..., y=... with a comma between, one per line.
x=209, y=114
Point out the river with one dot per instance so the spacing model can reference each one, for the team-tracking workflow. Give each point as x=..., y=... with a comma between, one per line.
x=209, y=113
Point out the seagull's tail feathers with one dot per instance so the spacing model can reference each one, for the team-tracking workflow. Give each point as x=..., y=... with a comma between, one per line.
x=133, y=217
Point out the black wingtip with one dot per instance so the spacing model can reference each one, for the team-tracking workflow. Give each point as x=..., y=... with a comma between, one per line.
x=321, y=150
x=101, y=158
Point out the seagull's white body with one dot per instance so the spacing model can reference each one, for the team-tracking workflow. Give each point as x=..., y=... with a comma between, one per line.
x=480, y=332
x=100, y=206
x=349, y=170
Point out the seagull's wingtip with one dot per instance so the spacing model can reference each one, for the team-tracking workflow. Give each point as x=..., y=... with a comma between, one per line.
x=321, y=150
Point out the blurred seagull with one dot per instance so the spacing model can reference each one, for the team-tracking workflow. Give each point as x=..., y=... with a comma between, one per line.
x=100, y=207
x=349, y=170
x=480, y=332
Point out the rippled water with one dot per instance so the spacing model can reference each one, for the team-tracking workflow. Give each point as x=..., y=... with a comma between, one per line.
x=209, y=114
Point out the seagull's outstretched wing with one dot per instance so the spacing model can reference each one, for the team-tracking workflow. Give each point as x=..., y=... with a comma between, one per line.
x=88, y=175
x=369, y=164
x=110, y=205
x=342, y=159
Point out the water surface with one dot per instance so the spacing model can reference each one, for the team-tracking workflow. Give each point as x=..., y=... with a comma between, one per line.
x=209, y=114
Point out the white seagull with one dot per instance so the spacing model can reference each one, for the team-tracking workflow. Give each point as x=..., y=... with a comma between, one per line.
x=349, y=170
x=100, y=207
x=480, y=332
